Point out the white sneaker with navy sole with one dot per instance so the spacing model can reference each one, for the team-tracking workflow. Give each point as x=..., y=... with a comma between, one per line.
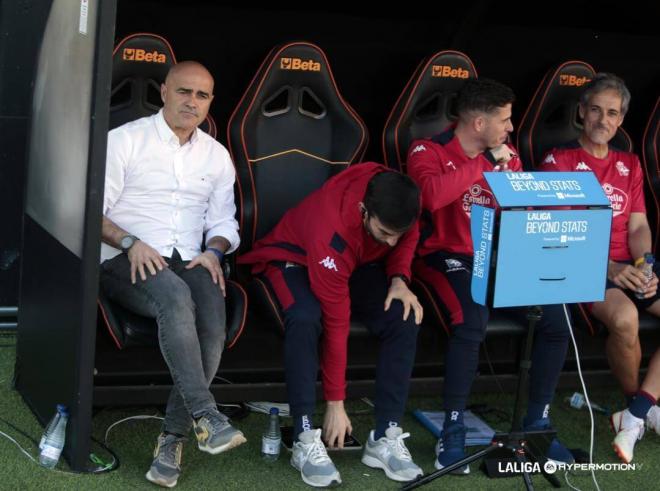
x=391, y=454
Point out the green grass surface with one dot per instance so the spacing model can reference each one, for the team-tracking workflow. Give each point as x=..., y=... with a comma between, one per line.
x=243, y=468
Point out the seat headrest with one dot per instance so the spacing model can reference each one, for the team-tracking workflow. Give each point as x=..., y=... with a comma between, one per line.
x=291, y=131
x=552, y=117
x=425, y=107
x=140, y=63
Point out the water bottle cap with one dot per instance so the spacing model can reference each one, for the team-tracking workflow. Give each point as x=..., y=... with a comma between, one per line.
x=61, y=408
x=648, y=258
x=274, y=410
x=577, y=400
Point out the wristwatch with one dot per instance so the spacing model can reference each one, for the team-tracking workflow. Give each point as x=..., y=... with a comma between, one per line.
x=127, y=242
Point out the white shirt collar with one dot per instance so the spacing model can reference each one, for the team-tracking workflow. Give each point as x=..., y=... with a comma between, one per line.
x=166, y=134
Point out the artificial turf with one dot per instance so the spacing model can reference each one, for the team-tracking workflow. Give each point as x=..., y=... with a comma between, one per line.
x=244, y=469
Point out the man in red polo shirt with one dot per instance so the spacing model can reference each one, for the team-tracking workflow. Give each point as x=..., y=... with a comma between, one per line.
x=603, y=105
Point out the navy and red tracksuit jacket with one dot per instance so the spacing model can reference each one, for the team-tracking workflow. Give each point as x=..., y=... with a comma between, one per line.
x=325, y=233
x=450, y=183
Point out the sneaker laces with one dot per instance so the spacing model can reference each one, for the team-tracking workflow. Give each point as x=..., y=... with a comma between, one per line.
x=317, y=453
x=217, y=420
x=169, y=450
x=399, y=448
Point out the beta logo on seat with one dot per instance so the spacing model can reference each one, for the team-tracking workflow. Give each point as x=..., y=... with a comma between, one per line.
x=572, y=80
x=299, y=64
x=446, y=71
x=131, y=54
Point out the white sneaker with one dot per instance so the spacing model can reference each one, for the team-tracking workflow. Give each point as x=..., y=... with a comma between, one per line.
x=653, y=419
x=628, y=430
x=311, y=459
x=391, y=454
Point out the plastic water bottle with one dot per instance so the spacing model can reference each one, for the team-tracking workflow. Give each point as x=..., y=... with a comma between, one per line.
x=271, y=440
x=52, y=441
x=51, y=424
x=578, y=401
x=647, y=269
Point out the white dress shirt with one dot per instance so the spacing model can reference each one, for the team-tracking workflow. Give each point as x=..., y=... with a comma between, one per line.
x=168, y=194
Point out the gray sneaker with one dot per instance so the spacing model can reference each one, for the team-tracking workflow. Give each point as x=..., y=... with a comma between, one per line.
x=166, y=467
x=215, y=434
x=311, y=459
x=391, y=454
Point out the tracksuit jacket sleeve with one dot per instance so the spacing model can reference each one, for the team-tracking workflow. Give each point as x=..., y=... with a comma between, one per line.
x=439, y=182
x=329, y=273
x=399, y=260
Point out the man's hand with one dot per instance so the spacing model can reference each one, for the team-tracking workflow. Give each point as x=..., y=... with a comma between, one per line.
x=502, y=155
x=651, y=287
x=336, y=424
x=210, y=261
x=141, y=255
x=627, y=276
x=400, y=291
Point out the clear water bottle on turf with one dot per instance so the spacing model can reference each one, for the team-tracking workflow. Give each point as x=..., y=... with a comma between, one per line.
x=647, y=268
x=271, y=440
x=52, y=442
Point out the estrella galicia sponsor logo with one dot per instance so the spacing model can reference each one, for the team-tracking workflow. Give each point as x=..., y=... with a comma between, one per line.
x=618, y=199
x=477, y=195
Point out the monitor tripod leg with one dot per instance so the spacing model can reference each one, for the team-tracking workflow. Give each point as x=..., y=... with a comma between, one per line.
x=420, y=481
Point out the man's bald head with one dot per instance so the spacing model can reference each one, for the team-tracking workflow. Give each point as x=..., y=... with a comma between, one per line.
x=187, y=94
x=191, y=67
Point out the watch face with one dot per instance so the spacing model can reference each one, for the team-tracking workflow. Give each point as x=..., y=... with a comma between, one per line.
x=127, y=242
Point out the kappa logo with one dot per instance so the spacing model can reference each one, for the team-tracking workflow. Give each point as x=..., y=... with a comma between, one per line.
x=451, y=164
x=299, y=64
x=582, y=166
x=329, y=263
x=130, y=54
x=623, y=170
x=550, y=159
x=573, y=80
x=418, y=148
x=446, y=71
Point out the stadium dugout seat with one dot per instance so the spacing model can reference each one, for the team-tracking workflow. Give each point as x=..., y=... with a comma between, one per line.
x=291, y=131
x=651, y=164
x=425, y=107
x=552, y=119
x=140, y=64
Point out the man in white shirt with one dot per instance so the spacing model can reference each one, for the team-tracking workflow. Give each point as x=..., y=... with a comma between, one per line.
x=167, y=184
